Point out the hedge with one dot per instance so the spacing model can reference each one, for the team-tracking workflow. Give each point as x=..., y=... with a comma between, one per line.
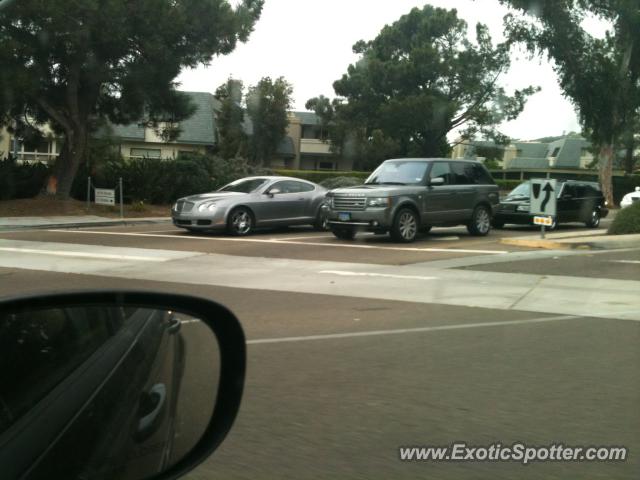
x=626, y=221
x=318, y=176
x=164, y=181
x=21, y=180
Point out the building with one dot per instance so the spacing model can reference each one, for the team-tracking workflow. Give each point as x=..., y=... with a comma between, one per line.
x=198, y=133
x=305, y=145
x=45, y=150
x=567, y=152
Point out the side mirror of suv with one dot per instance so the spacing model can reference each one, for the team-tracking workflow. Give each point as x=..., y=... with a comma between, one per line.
x=127, y=385
x=436, y=181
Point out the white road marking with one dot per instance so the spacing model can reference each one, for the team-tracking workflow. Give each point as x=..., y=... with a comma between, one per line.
x=371, y=333
x=444, y=239
x=383, y=275
x=280, y=239
x=282, y=242
x=102, y=256
x=634, y=262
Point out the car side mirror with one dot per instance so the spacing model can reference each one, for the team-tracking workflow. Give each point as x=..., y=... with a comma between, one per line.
x=436, y=181
x=273, y=191
x=124, y=385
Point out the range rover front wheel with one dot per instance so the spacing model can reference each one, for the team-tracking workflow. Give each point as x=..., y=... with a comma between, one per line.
x=405, y=226
x=480, y=224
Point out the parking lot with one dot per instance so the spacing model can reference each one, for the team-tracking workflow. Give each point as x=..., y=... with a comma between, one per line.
x=358, y=348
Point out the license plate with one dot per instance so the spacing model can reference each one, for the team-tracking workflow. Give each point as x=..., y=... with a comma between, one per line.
x=344, y=217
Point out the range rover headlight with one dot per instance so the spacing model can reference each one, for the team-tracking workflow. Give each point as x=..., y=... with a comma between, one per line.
x=379, y=202
x=523, y=208
x=207, y=207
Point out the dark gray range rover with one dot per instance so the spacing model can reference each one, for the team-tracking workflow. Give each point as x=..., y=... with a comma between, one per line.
x=409, y=195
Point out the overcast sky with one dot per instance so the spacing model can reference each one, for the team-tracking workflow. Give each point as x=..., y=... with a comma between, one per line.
x=309, y=43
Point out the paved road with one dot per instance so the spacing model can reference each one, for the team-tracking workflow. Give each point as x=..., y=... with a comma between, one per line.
x=355, y=351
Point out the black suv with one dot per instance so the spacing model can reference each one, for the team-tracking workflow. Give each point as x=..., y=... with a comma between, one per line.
x=407, y=195
x=576, y=202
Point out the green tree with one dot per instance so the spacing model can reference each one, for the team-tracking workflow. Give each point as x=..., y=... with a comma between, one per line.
x=268, y=104
x=74, y=64
x=599, y=75
x=418, y=80
x=233, y=139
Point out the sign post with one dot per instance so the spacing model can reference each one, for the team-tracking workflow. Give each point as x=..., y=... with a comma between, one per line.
x=88, y=193
x=121, y=196
x=542, y=202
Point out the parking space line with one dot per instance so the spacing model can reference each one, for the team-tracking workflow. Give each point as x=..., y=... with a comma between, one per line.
x=101, y=256
x=300, y=238
x=382, y=275
x=288, y=242
x=371, y=333
x=634, y=262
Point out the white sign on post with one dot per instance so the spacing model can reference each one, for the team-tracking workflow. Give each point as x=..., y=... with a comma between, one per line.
x=105, y=196
x=543, y=197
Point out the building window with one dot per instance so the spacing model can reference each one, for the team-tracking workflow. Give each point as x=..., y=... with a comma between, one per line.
x=145, y=153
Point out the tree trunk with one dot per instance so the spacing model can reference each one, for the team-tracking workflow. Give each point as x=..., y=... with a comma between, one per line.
x=69, y=161
x=605, y=173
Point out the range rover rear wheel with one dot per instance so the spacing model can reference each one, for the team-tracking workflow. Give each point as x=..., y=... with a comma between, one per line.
x=405, y=226
x=480, y=224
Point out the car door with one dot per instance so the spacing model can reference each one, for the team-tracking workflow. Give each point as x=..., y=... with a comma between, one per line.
x=282, y=207
x=438, y=198
x=568, y=202
x=462, y=201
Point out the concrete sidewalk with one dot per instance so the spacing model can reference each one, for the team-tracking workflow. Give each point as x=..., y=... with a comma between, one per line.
x=585, y=240
x=32, y=223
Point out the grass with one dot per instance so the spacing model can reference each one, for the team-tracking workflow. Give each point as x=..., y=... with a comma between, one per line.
x=45, y=206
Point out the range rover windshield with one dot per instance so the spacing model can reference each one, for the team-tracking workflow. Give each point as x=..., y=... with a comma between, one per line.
x=398, y=173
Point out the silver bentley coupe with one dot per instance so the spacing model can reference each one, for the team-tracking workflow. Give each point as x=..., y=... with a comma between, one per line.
x=254, y=202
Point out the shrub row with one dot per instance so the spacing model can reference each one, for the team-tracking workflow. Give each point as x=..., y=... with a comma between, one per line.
x=162, y=182
x=21, y=180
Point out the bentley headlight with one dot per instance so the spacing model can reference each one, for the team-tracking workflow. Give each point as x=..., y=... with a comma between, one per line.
x=207, y=207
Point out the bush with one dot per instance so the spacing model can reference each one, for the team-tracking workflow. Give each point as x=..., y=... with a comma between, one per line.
x=21, y=180
x=340, y=182
x=318, y=176
x=154, y=181
x=627, y=221
x=507, y=184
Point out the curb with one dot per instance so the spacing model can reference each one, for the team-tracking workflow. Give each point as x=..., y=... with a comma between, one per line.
x=106, y=223
x=612, y=242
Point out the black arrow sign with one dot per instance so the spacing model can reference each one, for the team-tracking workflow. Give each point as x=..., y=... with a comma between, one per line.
x=548, y=189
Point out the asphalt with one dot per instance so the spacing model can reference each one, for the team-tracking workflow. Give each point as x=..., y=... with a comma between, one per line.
x=338, y=381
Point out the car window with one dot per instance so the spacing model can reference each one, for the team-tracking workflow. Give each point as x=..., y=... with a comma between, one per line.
x=244, y=186
x=461, y=173
x=523, y=190
x=286, y=186
x=568, y=189
x=402, y=173
x=441, y=170
x=480, y=175
x=304, y=187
